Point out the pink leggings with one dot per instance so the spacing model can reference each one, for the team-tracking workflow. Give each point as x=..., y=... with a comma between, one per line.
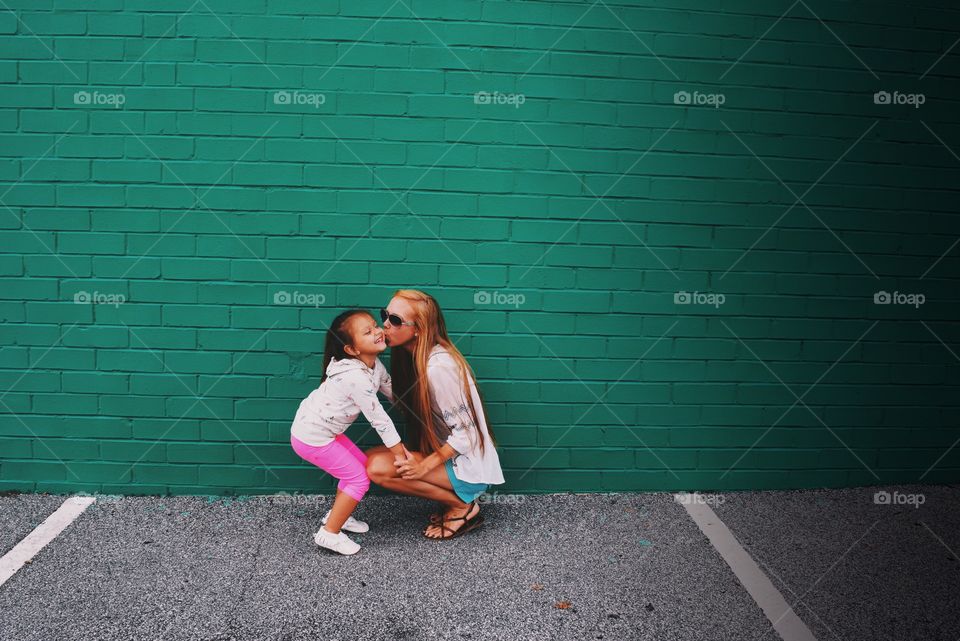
x=341, y=459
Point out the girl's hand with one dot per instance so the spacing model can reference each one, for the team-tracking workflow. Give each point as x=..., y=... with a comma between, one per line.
x=411, y=469
x=400, y=453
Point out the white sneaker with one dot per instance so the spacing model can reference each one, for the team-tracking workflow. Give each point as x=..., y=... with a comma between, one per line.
x=351, y=524
x=338, y=542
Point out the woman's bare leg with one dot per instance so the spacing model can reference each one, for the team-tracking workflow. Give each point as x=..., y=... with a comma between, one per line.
x=435, y=485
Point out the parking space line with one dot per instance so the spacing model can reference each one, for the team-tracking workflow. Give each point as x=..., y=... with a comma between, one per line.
x=47, y=531
x=782, y=617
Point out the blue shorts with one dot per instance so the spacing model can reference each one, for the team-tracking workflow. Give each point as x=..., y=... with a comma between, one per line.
x=466, y=491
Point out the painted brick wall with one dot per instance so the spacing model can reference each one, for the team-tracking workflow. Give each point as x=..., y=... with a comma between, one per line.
x=657, y=230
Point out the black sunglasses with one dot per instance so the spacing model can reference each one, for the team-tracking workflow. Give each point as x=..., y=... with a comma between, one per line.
x=393, y=318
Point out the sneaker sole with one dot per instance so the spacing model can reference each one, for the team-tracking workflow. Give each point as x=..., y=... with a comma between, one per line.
x=328, y=549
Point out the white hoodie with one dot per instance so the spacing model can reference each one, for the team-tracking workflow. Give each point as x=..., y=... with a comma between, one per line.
x=349, y=389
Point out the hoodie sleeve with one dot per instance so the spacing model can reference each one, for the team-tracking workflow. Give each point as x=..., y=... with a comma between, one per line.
x=362, y=392
x=386, y=383
x=446, y=387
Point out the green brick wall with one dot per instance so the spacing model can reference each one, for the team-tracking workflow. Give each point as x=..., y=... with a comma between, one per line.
x=657, y=235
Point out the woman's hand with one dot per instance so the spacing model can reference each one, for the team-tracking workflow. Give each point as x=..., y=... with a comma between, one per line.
x=412, y=469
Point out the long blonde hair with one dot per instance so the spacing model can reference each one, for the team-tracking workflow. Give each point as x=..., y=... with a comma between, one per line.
x=408, y=370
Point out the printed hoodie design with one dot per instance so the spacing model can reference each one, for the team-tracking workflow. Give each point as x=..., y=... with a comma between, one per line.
x=349, y=390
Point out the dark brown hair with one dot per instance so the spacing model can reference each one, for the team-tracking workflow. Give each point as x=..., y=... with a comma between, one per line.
x=338, y=337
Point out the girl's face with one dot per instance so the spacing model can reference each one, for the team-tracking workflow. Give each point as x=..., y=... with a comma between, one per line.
x=398, y=335
x=367, y=338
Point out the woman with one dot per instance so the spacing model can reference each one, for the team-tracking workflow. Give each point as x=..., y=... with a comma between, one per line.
x=456, y=458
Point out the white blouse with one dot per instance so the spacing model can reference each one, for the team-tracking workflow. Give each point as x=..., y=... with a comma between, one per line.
x=452, y=412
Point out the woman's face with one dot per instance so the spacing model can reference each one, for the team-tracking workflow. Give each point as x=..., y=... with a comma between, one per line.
x=399, y=335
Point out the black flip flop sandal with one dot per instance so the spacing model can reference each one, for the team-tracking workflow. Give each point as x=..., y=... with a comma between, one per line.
x=468, y=525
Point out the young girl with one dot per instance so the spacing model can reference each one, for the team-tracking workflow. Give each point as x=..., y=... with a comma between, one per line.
x=352, y=376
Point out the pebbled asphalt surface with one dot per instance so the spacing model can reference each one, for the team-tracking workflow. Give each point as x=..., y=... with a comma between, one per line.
x=596, y=566
x=854, y=569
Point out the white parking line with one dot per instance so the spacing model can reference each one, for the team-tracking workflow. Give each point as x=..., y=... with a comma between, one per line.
x=47, y=531
x=782, y=617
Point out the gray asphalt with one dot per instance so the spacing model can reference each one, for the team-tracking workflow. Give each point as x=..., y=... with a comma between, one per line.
x=613, y=566
x=20, y=514
x=855, y=569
